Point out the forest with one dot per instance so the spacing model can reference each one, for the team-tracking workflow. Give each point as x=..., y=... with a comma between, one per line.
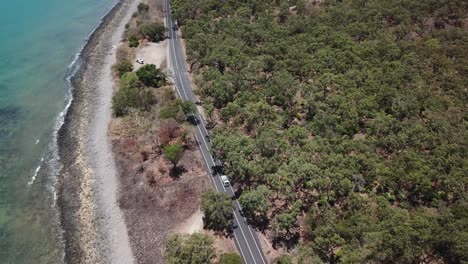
x=342, y=124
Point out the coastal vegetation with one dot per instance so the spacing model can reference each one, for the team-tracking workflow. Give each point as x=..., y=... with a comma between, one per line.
x=144, y=26
x=122, y=67
x=193, y=249
x=133, y=41
x=341, y=124
x=151, y=76
x=133, y=92
x=153, y=31
x=196, y=249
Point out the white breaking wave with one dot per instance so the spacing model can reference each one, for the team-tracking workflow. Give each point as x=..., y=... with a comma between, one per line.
x=33, y=178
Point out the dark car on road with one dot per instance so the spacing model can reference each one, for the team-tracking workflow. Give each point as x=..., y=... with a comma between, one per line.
x=193, y=120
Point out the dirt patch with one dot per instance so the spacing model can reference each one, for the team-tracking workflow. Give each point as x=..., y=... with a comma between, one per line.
x=151, y=53
x=153, y=202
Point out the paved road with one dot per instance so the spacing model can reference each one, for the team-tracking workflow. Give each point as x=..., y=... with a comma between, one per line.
x=244, y=236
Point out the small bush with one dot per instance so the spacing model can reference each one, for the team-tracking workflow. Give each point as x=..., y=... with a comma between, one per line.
x=123, y=100
x=230, y=258
x=154, y=32
x=172, y=110
x=122, y=67
x=196, y=248
x=143, y=8
x=283, y=259
x=150, y=75
x=133, y=41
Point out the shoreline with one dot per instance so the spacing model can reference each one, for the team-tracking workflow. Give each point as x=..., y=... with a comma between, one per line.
x=94, y=229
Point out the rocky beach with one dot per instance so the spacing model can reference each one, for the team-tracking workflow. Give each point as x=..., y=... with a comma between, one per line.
x=94, y=227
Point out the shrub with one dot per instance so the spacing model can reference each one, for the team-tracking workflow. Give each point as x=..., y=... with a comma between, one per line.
x=230, y=258
x=154, y=32
x=193, y=249
x=283, y=259
x=123, y=100
x=122, y=67
x=172, y=110
x=143, y=8
x=133, y=41
x=150, y=75
x=169, y=129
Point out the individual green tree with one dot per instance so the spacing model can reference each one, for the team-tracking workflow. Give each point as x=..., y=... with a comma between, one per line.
x=218, y=211
x=128, y=94
x=123, y=100
x=194, y=249
x=230, y=258
x=152, y=76
x=256, y=204
x=122, y=67
x=154, y=31
x=173, y=153
x=188, y=107
x=133, y=41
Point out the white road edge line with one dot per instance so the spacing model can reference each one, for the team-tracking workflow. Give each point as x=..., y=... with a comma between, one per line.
x=204, y=158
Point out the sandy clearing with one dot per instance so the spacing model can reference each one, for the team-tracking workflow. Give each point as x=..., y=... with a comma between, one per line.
x=151, y=53
x=194, y=224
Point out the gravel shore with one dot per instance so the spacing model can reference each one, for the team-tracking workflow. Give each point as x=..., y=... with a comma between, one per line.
x=94, y=228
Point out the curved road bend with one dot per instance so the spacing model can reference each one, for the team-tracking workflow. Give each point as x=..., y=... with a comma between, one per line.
x=245, y=237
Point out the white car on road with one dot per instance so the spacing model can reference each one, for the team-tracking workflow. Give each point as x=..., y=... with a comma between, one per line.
x=140, y=61
x=225, y=180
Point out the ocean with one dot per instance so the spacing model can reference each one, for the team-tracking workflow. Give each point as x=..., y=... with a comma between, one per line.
x=39, y=44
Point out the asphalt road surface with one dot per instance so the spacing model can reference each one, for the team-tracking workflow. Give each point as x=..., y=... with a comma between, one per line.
x=244, y=236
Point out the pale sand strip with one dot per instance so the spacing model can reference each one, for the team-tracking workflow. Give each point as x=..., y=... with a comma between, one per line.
x=105, y=169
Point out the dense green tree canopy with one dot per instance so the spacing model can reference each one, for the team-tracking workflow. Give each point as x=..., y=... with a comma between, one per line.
x=217, y=211
x=152, y=76
x=350, y=112
x=153, y=31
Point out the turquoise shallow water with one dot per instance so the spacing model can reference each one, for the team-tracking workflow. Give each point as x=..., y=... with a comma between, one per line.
x=39, y=40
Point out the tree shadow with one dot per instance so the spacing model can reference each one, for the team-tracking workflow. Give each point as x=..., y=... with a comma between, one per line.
x=288, y=241
x=177, y=171
x=227, y=232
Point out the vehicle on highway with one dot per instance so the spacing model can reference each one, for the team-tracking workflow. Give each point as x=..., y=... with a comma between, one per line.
x=225, y=180
x=140, y=61
x=193, y=120
x=207, y=138
x=217, y=168
x=197, y=102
